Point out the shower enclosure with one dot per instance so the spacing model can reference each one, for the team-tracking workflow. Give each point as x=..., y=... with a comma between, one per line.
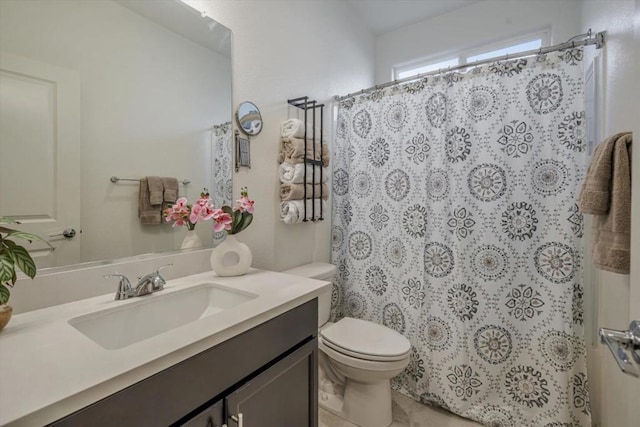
x=455, y=223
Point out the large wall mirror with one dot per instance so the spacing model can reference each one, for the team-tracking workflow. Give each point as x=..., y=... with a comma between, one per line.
x=102, y=88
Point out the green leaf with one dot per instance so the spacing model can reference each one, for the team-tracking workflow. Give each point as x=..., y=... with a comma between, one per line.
x=28, y=236
x=228, y=210
x=23, y=260
x=247, y=218
x=237, y=219
x=7, y=269
x=4, y=294
x=5, y=220
x=6, y=230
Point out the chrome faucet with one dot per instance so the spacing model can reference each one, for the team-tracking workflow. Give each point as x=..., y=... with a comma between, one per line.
x=150, y=283
x=154, y=280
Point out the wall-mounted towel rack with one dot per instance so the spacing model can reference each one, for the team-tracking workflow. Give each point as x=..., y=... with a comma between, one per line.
x=305, y=104
x=115, y=180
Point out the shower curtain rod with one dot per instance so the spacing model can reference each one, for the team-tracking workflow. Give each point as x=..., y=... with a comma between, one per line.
x=587, y=39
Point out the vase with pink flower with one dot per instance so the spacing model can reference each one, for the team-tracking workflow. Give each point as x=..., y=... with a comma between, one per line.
x=184, y=214
x=232, y=257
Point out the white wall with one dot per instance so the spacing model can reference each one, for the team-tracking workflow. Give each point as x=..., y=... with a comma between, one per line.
x=282, y=50
x=621, y=111
x=473, y=26
x=149, y=97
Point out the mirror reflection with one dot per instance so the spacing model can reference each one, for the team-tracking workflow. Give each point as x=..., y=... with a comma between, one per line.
x=91, y=90
x=249, y=118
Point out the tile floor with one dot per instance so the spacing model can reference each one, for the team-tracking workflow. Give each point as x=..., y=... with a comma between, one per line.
x=406, y=413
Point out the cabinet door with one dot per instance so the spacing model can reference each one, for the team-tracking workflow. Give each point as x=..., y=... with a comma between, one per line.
x=286, y=394
x=210, y=417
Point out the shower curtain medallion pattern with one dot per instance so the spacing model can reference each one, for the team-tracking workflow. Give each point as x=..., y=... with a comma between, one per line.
x=455, y=223
x=222, y=170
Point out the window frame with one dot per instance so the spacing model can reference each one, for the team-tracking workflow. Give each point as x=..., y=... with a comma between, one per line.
x=544, y=35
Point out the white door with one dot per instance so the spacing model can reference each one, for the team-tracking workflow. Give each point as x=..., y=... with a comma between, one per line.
x=40, y=155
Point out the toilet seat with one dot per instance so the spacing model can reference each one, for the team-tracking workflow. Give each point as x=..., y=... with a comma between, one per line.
x=365, y=340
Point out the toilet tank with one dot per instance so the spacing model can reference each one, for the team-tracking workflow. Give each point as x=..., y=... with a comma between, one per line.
x=319, y=271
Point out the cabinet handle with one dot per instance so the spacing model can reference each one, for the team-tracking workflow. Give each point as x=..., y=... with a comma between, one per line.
x=237, y=419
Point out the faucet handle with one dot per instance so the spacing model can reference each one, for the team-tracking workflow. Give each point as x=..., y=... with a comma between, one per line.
x=158, y=281
x=162, y=267
x=124, y=285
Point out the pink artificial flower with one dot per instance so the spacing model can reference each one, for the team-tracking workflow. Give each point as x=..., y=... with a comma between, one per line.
x=202, y=210
x=177, y=212
x=244, y=203
x=247, y=204
x=221, y=220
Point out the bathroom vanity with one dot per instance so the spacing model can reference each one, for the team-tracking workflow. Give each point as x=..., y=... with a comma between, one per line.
x=251, y=364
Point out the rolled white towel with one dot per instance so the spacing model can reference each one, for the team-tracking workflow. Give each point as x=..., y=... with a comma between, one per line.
x=292, y=128
x=292, y=211
x=293, y=173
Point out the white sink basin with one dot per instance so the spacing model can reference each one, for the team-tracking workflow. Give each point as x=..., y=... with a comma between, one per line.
x=152, y=315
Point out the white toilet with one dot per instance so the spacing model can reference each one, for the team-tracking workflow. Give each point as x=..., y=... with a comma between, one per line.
x=357, y=359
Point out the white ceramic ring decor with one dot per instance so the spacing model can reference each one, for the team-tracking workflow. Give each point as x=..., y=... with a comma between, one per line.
x=231, y=257
x=191, y=240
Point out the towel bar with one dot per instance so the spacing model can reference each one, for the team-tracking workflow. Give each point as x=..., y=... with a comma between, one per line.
x=115, y=179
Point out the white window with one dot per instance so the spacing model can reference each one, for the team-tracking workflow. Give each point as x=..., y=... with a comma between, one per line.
x=517, y=48
x=412, y=70
x=494, y=50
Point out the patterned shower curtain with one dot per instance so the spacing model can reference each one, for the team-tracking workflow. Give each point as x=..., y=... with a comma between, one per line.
x=222, y=167
x=455, y=223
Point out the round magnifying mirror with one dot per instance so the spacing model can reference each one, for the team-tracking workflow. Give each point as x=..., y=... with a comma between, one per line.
x=249, y=118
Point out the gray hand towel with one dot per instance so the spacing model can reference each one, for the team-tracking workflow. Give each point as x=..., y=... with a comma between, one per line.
x=147, y=213
x=606, y=192
x=170, y=190
x=156, y=190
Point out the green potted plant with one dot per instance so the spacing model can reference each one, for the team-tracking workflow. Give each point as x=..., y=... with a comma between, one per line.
x=13, y=255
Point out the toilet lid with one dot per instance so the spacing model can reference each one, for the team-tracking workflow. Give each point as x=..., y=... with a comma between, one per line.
x=365, y=340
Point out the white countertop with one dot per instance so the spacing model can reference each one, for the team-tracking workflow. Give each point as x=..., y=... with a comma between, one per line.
x=48, y=369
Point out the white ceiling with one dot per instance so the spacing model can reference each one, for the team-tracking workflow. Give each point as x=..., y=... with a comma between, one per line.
x=382, y=16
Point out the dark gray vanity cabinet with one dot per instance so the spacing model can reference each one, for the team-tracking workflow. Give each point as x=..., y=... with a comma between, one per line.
x=264, y=377
x=280, y=396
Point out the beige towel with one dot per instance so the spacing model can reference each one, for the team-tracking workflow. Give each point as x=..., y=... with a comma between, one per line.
x=296, y=191
x=170, y=186
x=156, y=190
x=147, y=213
x=606, y=192
x=292, y=151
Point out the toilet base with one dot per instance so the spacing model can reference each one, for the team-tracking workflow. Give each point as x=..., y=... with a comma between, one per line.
x=366, y=405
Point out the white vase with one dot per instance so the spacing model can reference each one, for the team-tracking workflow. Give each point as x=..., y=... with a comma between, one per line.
x=231, y=257
x=191, y=240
